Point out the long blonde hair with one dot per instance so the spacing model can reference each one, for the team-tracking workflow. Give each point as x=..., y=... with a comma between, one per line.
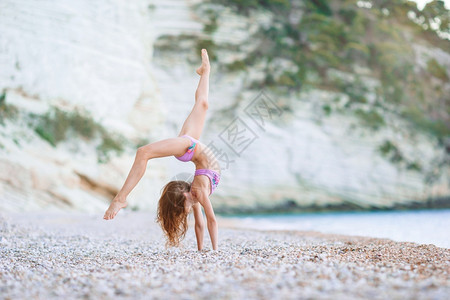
x=172, y=215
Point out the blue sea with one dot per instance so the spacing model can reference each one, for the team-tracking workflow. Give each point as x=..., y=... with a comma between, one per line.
x=419, y=226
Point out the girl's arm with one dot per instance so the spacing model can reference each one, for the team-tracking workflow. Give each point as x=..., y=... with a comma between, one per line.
x=211, y=221
x=199, y=225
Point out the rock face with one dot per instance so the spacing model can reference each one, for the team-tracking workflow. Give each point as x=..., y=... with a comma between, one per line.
x=114, y=59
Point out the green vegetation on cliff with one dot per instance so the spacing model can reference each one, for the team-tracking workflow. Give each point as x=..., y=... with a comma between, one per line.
x=378, y=37
x=6, y=111
x=56, y=126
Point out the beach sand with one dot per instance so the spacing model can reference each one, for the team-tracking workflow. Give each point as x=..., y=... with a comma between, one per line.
x=73, y=255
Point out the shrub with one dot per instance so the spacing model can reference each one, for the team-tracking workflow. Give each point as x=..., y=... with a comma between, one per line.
x=238, y=65
x=211, y=23
x=419, y=120
x=109, y=144
x=2, y=98
x=389, y=150
x=319, y=6
x=435, y=69
x=415, y=166
x=289, y=80
x=371, y=119
x=6, y=111
x=327, y=109
x=45, y=135
x=356, y=91
x=348, y=15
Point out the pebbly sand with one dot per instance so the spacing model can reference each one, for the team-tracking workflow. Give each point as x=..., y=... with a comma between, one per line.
x=62, y=255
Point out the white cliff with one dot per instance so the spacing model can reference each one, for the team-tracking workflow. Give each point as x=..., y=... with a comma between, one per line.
x=107, y=58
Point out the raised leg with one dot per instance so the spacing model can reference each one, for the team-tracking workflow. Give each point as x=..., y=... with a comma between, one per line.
x=194, y=123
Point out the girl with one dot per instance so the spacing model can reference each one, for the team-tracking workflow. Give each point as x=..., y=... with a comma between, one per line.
x=179, y=197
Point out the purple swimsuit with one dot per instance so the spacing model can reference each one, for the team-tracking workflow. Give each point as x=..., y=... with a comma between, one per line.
x=214, y=177
x=190, y=151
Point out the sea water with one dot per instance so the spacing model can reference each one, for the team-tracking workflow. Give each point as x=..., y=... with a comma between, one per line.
x=420, y=226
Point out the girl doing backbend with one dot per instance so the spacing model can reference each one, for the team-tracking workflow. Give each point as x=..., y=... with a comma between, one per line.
x=179, y=197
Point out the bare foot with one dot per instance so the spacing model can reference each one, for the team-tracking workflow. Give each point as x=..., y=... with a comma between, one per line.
x=116, y=205
x=205, y=63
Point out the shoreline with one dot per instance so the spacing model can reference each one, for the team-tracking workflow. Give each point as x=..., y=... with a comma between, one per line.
x=421, y=226
x=75, y=255
x=291, y=207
